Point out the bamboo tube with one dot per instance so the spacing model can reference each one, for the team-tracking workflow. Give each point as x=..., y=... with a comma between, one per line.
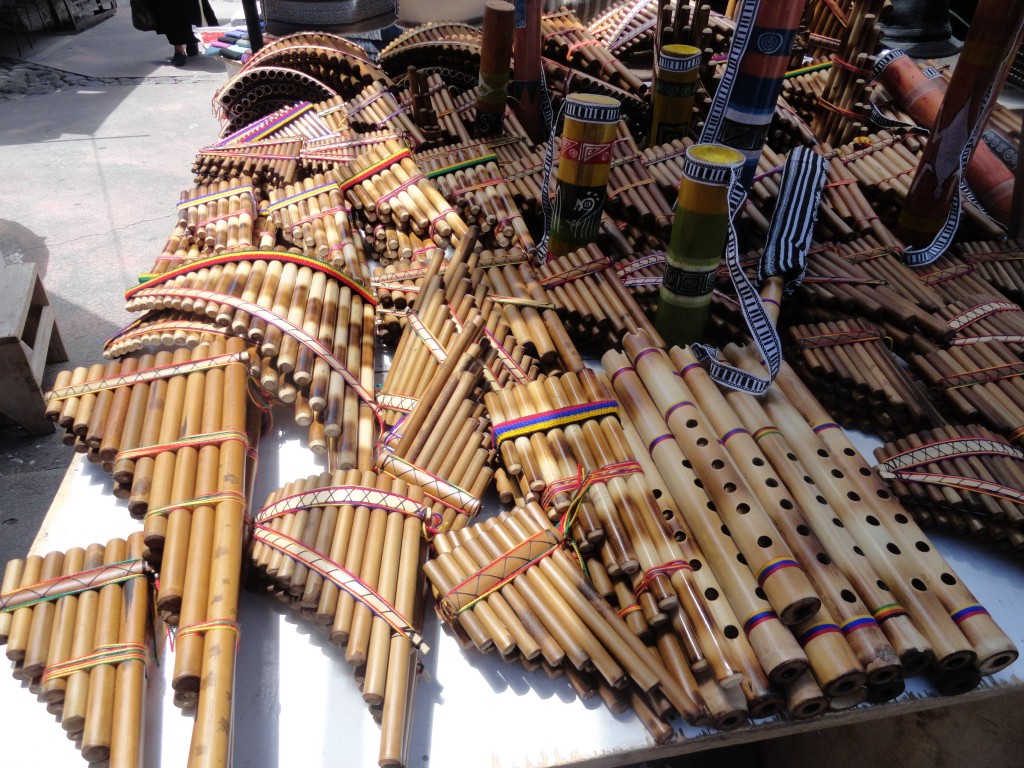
x=211, y=740
x=585, y=156
x=98, y=724
x=40, y=624
x=495, y=58
x=76, y=687
x=699, y=231
x=128, y=715
x=21, y=619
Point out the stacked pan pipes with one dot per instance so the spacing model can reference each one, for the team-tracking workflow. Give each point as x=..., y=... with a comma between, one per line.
x=568, y=41
x=346, y=548
x=998, y=263
x=842, y=108
x=963, y=478
x=979, y=382
x=859, y=377
x=306, y=66
x=77, y=627
x=468, y=174
x=312, y=324
x=176, y=431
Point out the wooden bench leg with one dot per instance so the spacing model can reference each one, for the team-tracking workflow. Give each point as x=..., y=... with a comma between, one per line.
x=23, y=400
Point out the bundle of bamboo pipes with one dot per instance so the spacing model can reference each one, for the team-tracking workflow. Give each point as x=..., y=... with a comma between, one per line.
x=220, y=216
x=860, y=379
x=313, y=325
x=257, y=93
x=853, y=658
x=979, y=382
x=341, y=52
x=312, y=214
x=627, y=27
x=346, y=548
x=386, y=182
x=468, y=175
x=451, y=47
x=843, y=106
x=271, y=161
x=593, y=301
x=550, y=611
x=567, y=40
x=962, y=478
x=376, y=108
x=77, y=626
x=838, y=275
x=344, y=145
x=997, y=262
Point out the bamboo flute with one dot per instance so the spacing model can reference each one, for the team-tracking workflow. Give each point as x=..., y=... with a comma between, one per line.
x=951, y=648
x=754, y=533
x=775, y=648
x=873, y=652
x=994, y=649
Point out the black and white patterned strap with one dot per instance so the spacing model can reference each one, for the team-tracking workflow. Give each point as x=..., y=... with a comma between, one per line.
x=789, y=236
x=788, y=239
x=737, y=49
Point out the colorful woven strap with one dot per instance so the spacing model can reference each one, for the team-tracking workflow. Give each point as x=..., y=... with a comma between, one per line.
x=201, y=628
x=982, y=375
x=305, y=194
x=72, y=584
x=206, y=500
x=347, y=495
x=344, y=580
x=114, y=653
x=574, y=483
x=974, y=314
x=147, y=374
x=434, y=487
x=645, y=261
x=499, y=572
x=665, y=569
x=560, y=417
x=213, y=197
x=303, y=338
x=423, y=334
x=393, y=402
x=374, y=169
x=193, y=441
x=576, y=272
x=851, y=336
x=256, y=255
x=519, y=301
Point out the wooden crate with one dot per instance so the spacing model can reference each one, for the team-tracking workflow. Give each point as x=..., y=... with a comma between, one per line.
x=28, y=341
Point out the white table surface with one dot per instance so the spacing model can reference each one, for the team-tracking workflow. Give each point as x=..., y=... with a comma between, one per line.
x=297, y=703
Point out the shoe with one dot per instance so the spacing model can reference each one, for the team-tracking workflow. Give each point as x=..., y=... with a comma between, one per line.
x=178, y=59
x=192, y=49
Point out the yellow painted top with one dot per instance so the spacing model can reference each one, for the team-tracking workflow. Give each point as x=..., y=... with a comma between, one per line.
x=680, y=51
x=718, y=154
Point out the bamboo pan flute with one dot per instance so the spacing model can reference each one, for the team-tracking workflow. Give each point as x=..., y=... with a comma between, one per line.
x=959, y=478
x=76, y=625
x=849, y=363
x=979, y=381
x=312, y=325
x=364, y=589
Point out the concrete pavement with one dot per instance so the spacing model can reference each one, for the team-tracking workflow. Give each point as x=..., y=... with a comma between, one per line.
x=97, y=137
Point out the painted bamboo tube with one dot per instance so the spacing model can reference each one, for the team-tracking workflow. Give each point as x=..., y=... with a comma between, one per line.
x=675, y=85
x=699, y=230
x=583, y=168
